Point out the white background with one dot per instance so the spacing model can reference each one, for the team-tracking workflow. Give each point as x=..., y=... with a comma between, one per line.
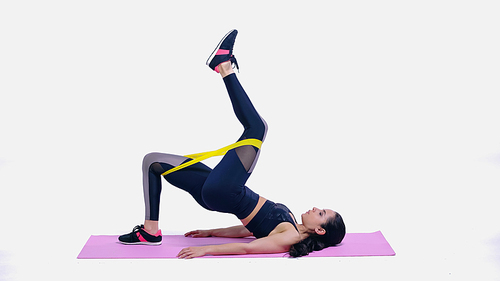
x=385, y=111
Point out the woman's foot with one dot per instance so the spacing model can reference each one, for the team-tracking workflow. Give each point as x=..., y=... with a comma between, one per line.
x=139, y=236
x=223, y=52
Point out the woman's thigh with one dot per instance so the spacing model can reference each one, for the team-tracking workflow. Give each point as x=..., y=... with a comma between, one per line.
x=224, y=190
x=190, y=179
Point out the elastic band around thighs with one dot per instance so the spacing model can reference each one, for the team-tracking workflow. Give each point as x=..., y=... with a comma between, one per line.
x=219, y=152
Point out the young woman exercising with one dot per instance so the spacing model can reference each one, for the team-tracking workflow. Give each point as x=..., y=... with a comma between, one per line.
x=223, y=188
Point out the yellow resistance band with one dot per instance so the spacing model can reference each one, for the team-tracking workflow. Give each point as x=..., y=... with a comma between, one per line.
x=219, y=152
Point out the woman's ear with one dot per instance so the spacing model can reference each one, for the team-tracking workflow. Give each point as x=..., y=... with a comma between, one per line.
x=320, y=231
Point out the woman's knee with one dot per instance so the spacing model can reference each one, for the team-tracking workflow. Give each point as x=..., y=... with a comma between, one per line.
x=263, y=129
x=155, y=157
x=149, y=159
x=258, y=130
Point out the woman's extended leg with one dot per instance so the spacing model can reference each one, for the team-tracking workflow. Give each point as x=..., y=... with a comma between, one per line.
x=255, y=126
x=224, y=189
x=221, y=61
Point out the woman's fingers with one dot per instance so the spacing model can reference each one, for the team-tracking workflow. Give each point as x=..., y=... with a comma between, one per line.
x=183, y=253
x=197, y=233
x=191, y=252
x=194, y=233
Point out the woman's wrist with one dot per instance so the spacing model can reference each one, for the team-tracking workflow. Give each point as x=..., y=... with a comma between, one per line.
x=214, y=232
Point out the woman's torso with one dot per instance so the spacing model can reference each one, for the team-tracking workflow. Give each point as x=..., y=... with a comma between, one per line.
x=268, y=218
x=260, y=203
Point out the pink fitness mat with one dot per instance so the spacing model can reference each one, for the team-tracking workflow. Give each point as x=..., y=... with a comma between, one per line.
x=108, y=247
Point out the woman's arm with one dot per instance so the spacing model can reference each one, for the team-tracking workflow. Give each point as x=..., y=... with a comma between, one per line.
x=232, y=232
x=276, y=243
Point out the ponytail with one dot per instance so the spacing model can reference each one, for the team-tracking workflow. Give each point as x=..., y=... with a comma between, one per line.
x=335, y=232
x=304, y=247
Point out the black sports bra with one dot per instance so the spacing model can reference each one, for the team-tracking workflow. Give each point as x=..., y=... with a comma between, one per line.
x=268, y=217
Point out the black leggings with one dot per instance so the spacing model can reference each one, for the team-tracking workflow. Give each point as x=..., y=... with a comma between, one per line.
x=223, y=188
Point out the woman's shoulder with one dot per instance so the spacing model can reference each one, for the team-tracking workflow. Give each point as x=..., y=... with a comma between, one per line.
x=288, y=233
x=287, y=227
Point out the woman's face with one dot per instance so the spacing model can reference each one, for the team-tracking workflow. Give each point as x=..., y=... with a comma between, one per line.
x=314, y=218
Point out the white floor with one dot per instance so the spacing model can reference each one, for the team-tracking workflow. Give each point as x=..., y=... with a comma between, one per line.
x=385, y=111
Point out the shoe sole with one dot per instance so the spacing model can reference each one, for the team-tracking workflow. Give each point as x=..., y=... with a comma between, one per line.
x=142, y=243
x=217, y=48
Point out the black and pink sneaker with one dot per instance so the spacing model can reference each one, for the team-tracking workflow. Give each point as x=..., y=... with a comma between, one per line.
x=139, y=236
x=223, y=52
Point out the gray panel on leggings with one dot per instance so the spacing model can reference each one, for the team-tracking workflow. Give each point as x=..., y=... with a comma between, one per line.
x=258, y=152
x=155, y=157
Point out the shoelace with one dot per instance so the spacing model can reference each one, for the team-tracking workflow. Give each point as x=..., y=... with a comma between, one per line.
x=137, y=228
x=235, y=63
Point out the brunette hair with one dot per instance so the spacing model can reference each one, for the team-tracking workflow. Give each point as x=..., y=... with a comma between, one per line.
x=335, y=232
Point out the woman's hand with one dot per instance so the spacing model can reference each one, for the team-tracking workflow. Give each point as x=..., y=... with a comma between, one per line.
x=199, y=233
x=192, y=252
x=233, y=232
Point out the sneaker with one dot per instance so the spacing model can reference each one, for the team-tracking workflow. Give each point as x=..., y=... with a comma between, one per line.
x=223, y=52
x=139, y=236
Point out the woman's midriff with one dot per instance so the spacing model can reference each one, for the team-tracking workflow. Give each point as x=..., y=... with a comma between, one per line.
x=260, y=203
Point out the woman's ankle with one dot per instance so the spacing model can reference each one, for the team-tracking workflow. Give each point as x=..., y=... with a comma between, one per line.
x=151, y=227
x=226, y=68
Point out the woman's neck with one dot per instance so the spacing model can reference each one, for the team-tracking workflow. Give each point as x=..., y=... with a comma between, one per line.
x=303, y=231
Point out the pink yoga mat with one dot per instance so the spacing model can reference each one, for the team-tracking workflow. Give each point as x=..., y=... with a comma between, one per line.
x=108, y=247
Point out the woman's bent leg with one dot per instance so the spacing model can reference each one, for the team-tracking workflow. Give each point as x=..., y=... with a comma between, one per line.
x=151, y=180
x=190, y=179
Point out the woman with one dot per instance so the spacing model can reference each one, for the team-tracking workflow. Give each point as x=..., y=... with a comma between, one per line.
x=223, y=188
